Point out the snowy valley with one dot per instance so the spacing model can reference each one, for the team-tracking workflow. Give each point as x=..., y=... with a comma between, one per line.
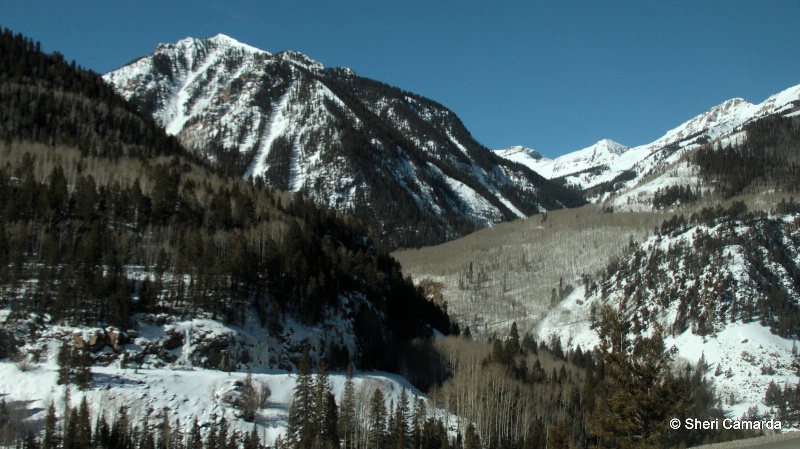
x=197, y=244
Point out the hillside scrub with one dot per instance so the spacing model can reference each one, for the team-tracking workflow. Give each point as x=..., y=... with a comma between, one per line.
x=509, y=272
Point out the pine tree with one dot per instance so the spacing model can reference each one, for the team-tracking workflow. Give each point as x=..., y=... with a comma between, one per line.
x=398, y=437
x=377, y=425
x=639, y=389
x=252, y=441
x=322, y=389
x=194, y=439
x=64, y=369
x=50, y=438
x=212, y=442
x=120, y=430
x=102, y=432
x=176, y=439
x=71, y=433
x=347, y=414
x=330, y=430
x=471, y=438
x=30, y=441
x=249, y=403
x=83, y=425
x=164, y=431
x=299, y=433
x=417, y=422
x=222, y=433
x=82, y=368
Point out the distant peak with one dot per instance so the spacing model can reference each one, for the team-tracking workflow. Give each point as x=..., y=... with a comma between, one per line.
x=225, y=40
x=730, y=104
x=613, y=147
x=533, y=154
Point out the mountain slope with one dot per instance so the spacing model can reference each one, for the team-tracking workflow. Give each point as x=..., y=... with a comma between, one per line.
x=722, y=281
x=135, y=273
x=404, y=164
x=725, y=284
x=98, y=228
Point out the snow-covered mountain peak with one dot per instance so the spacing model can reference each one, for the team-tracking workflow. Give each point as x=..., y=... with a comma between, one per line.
x=521, y=152
x=227, y=41
x=726, y=115
x=609, y=146
x=785, y=102
x=220, y=42
x=601, y=153
x=608, y=162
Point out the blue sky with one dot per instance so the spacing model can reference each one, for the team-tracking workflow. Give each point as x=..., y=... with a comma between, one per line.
x=555, y=76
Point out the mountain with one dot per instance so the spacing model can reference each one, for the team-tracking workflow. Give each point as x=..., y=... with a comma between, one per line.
x=141, y=281
x=610, y=167
x=591, y=160
x=521, y=154
x=133, y=276
x=404, y=164
x=109, y=226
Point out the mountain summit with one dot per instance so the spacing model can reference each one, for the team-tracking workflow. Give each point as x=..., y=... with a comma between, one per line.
x=403, y=163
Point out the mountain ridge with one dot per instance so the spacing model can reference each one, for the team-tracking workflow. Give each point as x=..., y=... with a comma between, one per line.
x=353, y=144
x=722, y=120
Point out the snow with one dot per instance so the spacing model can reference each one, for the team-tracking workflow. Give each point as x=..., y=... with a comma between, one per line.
x=182, y=387
x=477, y=205
x=640, y=197
x=228, y=41
x=604, y=152
x=278, y=124
x=186, y=394
x=742, y=348
x=726, y=119
x=741, y=355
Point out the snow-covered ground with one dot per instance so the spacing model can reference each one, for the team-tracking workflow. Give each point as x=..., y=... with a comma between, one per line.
x=185, y=394
x=165, y=370
x=744, y=357
x=735, y=355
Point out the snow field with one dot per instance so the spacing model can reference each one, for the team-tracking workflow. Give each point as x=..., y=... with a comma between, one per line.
x=183, y=394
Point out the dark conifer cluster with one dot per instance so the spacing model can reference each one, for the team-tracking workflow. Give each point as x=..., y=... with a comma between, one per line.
x=784, y=401
x=770, y=156
x=76, y=428
x=672, y=195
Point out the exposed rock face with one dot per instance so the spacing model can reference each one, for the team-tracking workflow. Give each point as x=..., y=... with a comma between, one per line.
x=404, y=164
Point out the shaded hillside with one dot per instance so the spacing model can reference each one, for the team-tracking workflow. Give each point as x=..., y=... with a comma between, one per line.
x=768, y=158
x=103, y=217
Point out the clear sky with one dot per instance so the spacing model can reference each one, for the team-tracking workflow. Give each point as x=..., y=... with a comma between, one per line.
x=554, y=76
